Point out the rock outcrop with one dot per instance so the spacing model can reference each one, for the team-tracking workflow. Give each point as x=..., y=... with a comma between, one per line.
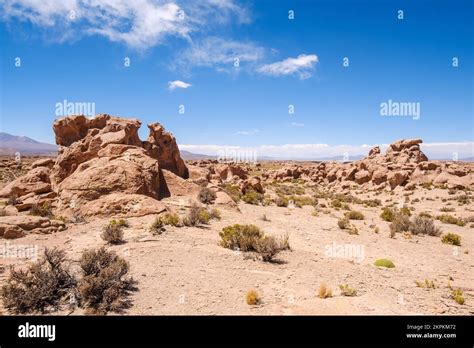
x=403, y=163
x=103, y=168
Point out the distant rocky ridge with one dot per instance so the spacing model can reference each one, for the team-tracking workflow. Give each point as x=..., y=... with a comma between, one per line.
x=403, y=166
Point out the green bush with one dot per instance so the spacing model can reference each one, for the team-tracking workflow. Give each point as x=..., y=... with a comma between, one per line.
x=449, y=219
x=171, y=219
x=252, y=197
x=241, y=237
x=384, y=263
x=451, y=238
x=233, y=191
x=120, y=222
x=388, y=214
x=458, y=296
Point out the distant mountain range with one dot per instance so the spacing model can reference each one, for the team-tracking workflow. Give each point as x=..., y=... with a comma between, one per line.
x=10, y=144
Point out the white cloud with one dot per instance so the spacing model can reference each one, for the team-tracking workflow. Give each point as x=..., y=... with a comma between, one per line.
x=139, y=24
x=220, y=54
x=172, y=85
x=318, y=151
x=249, y=132
x=297, y=124
x=302, y=66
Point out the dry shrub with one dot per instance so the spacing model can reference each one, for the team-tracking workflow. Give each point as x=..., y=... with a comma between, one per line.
x=253, y=298
x=198, y=215
x=343, y=223
x=41, y=287
x=249, y=238
x=400, y=223
x=424, y=225
x=112, y=233
x=324, y=291
x=267, y=247
x=354, y=215
x=347, y=291
x=103, y=286
x=206, y=195
x=43, y=210
x=281, y=201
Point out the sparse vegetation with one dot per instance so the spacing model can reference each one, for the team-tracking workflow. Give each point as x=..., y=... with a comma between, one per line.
x=281, y=201
x=120, y=222
x=43, y=210
x=458, y=296
x=424, y=225
x=324, y=291
x=206, y=195
x=344, y=223
x=354, y=215
x=233, y=191
x=429, y=284
x=400, y=223
x=384, y=263
x=372, y=203
x=198, y=215
x=103, y=286
x=41, y=287
x=449, y=219
x=252, y=197
x=112, y=233
x=240, y=237
x=249, y=238
x=451, y=238
x=253, y=298
x=347, y=291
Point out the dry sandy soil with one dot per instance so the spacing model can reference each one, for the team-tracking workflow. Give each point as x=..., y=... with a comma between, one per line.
x=185, y=271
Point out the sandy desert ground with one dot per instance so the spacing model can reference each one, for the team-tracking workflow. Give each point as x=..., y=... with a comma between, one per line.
x=185, y=271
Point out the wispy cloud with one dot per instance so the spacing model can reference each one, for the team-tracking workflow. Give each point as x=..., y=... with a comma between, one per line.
x=297, y=124
x=315, y=151
x=172, y=85
x=139, y=24
x=248, y=132
x=223, y=55
x=302, y=66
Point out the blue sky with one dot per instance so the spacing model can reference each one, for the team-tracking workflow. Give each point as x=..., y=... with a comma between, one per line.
x=74, y=50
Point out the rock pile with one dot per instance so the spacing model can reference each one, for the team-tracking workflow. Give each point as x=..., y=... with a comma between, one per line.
x=102, y=168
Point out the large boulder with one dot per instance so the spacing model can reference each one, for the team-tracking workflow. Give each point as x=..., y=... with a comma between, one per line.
x=117, y=168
